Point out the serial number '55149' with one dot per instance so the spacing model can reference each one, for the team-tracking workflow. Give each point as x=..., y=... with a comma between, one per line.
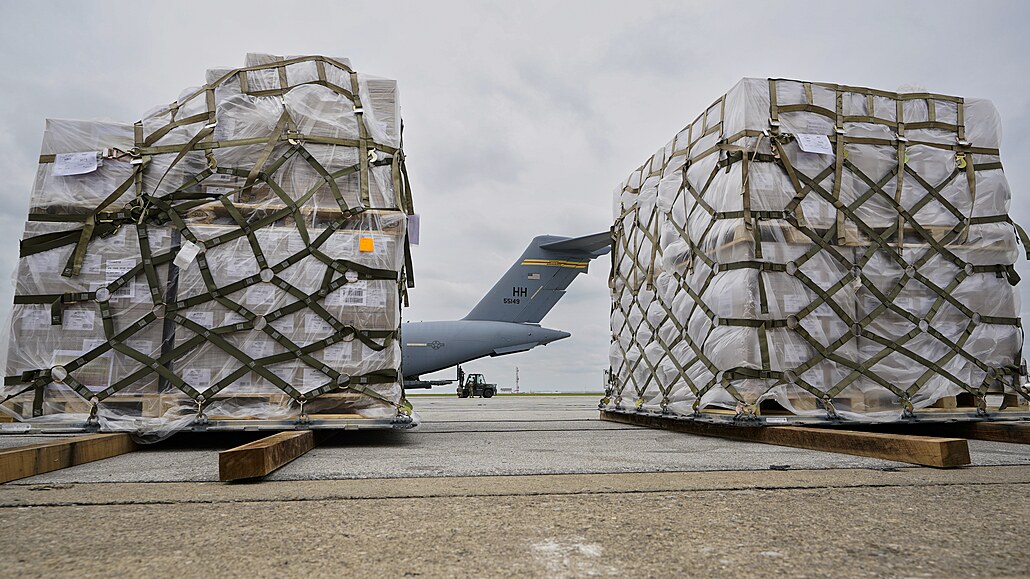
x=511, y=300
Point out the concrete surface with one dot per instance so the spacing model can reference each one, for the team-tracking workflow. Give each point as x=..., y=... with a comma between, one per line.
x=567, y=495
x=501, y=436
x=842, y=523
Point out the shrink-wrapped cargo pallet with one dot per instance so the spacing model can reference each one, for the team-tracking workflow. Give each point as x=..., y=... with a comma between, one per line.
x=237, y=258
x=820, y=252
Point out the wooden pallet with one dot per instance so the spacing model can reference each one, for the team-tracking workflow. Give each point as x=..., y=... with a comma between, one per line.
x=70, y=402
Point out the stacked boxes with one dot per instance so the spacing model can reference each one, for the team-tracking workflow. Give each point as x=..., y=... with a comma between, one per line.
x=238, y=254
x=824, y=251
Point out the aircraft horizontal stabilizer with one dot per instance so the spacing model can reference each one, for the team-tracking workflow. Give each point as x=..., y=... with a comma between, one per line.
x=596, y=244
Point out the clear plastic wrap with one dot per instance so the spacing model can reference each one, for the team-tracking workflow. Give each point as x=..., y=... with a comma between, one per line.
x=238, y=255
x=823, y=252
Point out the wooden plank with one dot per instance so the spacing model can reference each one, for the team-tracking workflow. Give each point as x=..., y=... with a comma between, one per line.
x=263, y=456
x=921, y=450
x=1015, y=432
x=1012, y=432
x=24, y=461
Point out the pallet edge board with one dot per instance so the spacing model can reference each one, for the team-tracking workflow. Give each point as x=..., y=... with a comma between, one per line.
x=922, y=450
x=261, y=457
x=32, y=459
x=1010, y=432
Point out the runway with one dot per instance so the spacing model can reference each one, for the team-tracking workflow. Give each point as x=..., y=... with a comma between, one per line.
x=529, y=485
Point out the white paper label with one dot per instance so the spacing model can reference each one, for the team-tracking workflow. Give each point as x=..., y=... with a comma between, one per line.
x=116, y=268
x=353, y=295
x=187, y=253
x=45, y=263
x=792, y=354
x=314, y=378
x=258, y=348
x=144, y=346
x=91, y=264
x=35, y=319
x=232, y=318
x=284, y=374
x=338, y=353
x=206, y=319
x=793, y=303
x=240, y=268
x=261, y=293
x=814, y=143
x=159, y=238
x=286, y=324
x=75, y=163
x=88, y=345
x=776, y=420
x=79, y=320
x=313, y=324
x=199, y=378
x=139, y=294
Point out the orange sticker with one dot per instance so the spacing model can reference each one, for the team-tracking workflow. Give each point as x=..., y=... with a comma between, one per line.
x=366, y=244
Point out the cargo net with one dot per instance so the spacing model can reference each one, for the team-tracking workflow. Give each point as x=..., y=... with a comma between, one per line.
x=238, y=254
x=821, y=251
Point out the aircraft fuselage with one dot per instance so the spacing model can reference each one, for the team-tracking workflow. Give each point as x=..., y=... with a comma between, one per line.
x=432, y=346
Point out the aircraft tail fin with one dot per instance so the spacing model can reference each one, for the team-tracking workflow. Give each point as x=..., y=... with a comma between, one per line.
x=535, y=283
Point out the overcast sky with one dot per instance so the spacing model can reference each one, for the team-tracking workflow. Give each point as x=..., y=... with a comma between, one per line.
x=520, y=117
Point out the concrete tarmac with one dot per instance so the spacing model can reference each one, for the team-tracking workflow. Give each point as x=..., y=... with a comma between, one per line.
x=528, y=486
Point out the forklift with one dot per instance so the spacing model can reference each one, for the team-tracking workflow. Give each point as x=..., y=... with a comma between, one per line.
x=474, y=385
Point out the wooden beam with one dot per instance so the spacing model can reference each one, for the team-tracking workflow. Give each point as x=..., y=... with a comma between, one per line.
x=24, y=461
x=1014, y=432
x=921, y=450
x=263, y=456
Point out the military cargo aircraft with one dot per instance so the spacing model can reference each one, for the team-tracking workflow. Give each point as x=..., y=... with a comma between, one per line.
x=507, y=319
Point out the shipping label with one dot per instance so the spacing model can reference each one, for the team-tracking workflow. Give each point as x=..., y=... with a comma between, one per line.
x=260, y=294
x=199, y=378
x=206, y=319
x=116, y=268
x=314, y=324
x=314, y=378
x=35, y=318
x=79, y=320
x=66, y=164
